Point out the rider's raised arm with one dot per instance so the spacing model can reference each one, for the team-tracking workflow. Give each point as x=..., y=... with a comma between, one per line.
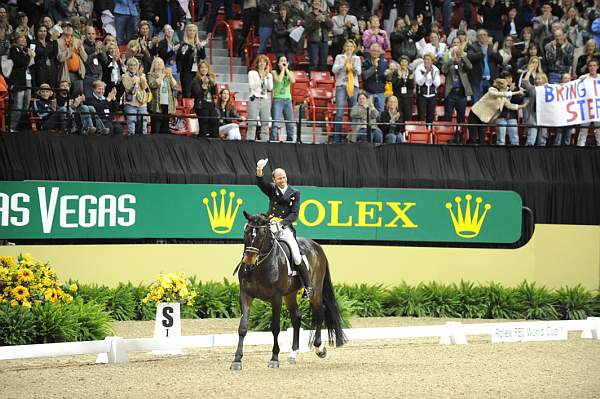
x=263, y=185
x=293, y=215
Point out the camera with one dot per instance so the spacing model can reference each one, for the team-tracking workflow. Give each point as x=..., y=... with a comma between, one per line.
x=252, y=97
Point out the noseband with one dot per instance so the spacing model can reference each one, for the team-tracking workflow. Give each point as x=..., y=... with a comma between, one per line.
x=258, y=250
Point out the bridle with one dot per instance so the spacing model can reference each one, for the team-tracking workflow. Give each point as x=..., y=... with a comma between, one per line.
x=258, y=251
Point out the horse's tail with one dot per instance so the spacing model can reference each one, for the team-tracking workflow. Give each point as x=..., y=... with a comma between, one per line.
x=332, y=316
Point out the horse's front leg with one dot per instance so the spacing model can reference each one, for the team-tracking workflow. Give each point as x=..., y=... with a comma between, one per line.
x=292, y=306
x=245, y=302
x=275, y=327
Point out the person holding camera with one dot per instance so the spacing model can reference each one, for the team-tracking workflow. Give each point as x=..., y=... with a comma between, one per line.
x=375, y=35
x=282, y=99
x=260, y=82
x=457, y=87
x=344, y=27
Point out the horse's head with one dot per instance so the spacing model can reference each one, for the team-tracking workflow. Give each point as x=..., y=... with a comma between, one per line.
x=257, y=235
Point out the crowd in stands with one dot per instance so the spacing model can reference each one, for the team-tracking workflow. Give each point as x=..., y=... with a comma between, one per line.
x=73, y=65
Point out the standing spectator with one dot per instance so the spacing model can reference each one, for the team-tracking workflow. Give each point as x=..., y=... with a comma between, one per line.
x=168, y=12
x=463, y=26
x=364, y=114
x=346, y=69
x=401, y=42
x=390, y=122
x=135, y=84
x=162, y=83
x=564, y=133
x=487, y=109
x=374, y=76
x=457, y=87
x=214, y=10
x=135, y=50
x=376, y=35
x=491, y=16
x=127, y=17
x=94, y=62
x=44, y=70
x=105, y=107
x=4, y=22
x=535, y=135
x=522, y=47
x=435, y=47
x=390, y=14
x=427, y=80
x=188, y=56
x=249, y=20
x=280, y=39
x=590, y=52
x=513, y=25
x=507, y=121
x=485, y=61
x=20, y=80
x=260, y=82
x=167, y=50
x=318, y=26
x=204, y=90
x=585, y=128
x=522, y=63
x=361, y=9
x=112, y=71
x=282, y=99
x=542, y=24
x=575, y=26
x=507, y=52
x=559, y=56
x=228, y=128
x=71, y=59
x=403, y=86
x=345, y=27
x=267, y=12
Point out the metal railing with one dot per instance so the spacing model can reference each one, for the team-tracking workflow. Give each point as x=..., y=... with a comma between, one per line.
x=229, y=45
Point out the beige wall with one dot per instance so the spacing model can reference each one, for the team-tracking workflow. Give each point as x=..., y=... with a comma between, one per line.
x=556, y=256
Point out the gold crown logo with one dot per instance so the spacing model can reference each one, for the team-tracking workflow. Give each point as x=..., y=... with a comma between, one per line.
x=469, y=224
x=222, y=217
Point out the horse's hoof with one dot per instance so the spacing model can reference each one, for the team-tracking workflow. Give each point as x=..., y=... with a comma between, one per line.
x=322, y=353
x=235, y=366
x=274, y=364
x=291, y=360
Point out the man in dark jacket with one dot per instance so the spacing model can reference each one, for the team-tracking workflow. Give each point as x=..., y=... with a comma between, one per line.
x=95, y=59
x=318, y=27
x=373, y=74
x=105, y=107
x=284, y=203
x=20, y=80
x=486, y=62
x=168, y=12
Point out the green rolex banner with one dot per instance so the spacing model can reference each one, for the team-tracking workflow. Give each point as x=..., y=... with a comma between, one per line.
x=50, y=210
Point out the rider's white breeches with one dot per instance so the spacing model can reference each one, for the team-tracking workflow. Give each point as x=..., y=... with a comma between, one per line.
x=287, y=236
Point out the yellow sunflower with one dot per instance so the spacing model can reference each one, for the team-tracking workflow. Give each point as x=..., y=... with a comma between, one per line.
x=25, y=275
x=26, y=304
x=7, y=261
x=20, y=293
x=73, y=288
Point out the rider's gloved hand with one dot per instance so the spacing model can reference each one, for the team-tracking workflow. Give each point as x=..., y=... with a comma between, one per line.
x=262, y=163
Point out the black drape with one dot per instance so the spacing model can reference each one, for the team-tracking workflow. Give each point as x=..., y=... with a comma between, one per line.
x=560, y=184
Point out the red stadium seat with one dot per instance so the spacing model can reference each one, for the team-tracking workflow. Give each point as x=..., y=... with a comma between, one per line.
x=300, y=88
x=322, y=79
x=417, y=132
x=443, y=132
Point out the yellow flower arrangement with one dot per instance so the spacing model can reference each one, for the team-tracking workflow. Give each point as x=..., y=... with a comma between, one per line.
x=25, y=281
x=169, y=288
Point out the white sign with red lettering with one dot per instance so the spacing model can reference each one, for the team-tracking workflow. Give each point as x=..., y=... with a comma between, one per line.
x=567, y=104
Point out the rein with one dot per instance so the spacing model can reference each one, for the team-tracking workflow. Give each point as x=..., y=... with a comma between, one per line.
x=258, y=250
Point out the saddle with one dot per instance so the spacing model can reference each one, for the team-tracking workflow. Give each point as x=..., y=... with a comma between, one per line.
x=288, y=256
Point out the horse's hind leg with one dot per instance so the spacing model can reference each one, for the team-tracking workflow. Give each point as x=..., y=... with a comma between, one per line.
x=292, y=306
x=275, y=327
x=245, y=302
x=318, y=317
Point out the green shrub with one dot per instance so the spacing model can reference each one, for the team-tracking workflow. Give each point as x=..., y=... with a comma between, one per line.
x=94, y=321
x=501, y=302
x=574, y=303
x=472, y=300
x=441, y=300
x=405, y=300
x=17, y=325
x=535, y=302
x=121, y=302
x=213, y=300
x=54, y=323
x=367, y=299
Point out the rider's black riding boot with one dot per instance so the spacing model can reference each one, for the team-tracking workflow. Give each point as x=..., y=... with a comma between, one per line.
x=305, y=276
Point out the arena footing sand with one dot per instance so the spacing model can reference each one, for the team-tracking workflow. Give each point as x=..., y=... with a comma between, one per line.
x=374, y=369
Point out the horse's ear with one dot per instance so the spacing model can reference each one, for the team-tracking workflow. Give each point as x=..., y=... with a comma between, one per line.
x=247, y=215
x=264, y=216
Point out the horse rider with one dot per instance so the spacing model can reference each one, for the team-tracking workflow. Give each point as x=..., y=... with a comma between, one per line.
x=284, y=202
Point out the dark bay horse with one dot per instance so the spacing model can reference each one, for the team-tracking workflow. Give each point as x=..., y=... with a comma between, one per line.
x=263, y=274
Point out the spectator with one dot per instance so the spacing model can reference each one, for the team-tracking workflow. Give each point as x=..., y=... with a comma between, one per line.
x=80, y=116
x=188, y=57
x=564, y=133
x=402, y=42
x=162, y=84
x=167, y=50
x=95, y=60
x=267, y=12
x=282, y=99
x=45, y=69
x=347, y=69
x=485, y=61
x=542, y=24
x=390, y=14
x=507, y=52
x=145, y=39
x=214, y=9
x=390, y=122
x=435, y=47
x=535, y=135
x=574, y=26
x=280, y=39
x=127, y=17
x=134, y=50
x=135, y=84
x=522, y=47
x=112, y=71
x=168, y=12
x=376, y=35
x=513, y=25
x=596, y=31
x=71, y=58
x=507, y=121
x=590, y=52
x=362, y=115
x=361, y=9
x=374, y=76
x=457, y=87
x=522, y=63
x=204, y=90
x=228, y=128
x=403, y=86
x=105, y=107
x=260, y=82
x=559, y=56
x=44, y=107
x=249, y=20
x=535, y=64
x=526, y=12
x=58, y=10
x=584, y=129
x=487, y=109
x=298, y=10
x=427, y=80
x=4, y=22
x=23, y=26
x=345, y=27
x=20, y=80
x=491, y=16
x=318, y=26
x=462, y=27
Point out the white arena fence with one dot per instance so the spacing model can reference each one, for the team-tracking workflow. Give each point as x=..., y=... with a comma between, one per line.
x=116, y=349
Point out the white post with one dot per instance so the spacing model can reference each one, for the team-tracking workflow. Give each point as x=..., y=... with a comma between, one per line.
x=454, y=335
x=167, y=326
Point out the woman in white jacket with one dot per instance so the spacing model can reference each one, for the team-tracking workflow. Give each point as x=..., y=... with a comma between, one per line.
x=260, y=81
x=427, y=80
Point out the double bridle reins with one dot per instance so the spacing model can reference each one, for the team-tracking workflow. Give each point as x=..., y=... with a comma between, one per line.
x=257, y=251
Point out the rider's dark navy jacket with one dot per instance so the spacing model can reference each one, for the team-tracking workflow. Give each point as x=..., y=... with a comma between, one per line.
x=281, y=205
